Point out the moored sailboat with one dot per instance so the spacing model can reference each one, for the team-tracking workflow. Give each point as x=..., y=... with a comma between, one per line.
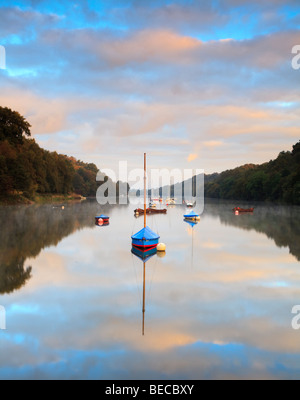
x=145, y=239
x=192, y=216
x=102, y=220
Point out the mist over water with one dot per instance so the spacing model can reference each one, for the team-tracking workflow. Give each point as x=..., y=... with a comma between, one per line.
x=218, y=303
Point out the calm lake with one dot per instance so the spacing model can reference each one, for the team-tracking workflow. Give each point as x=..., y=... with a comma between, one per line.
x=218, y=303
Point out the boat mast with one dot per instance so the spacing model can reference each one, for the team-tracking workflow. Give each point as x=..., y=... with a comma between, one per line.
x=145, y=181
x=144, y=298
x=144, y=294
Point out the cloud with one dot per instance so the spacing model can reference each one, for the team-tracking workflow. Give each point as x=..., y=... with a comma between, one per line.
x=148, y=46
x=154, y=83
x=213, y=143
x=153, y=47
x=145, y=46
x=16, y=21
x=192, y=157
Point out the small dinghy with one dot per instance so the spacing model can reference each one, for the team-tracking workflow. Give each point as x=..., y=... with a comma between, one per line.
x=102, y=220
x=192, y=216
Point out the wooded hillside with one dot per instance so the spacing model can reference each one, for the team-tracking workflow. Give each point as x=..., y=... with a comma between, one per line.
x=28, y=170
x=276, y=180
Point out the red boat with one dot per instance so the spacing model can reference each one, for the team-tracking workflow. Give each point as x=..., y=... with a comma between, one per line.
x=140, y=211
x=102, y=220
x=239, y=209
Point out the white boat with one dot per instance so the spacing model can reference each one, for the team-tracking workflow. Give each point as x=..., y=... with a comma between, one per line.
x=170, y=202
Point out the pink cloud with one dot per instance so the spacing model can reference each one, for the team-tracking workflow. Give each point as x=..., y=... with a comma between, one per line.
x=192, y=157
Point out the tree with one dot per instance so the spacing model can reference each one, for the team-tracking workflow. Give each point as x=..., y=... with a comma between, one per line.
x=276, y=180
x=296, y=148
x=13, y=126
x=296, y=152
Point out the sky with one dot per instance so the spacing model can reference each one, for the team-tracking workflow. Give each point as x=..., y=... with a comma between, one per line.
x=195, y=84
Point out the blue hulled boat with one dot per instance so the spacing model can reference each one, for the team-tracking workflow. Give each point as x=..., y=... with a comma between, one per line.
x=192, y=216
x=145, y=239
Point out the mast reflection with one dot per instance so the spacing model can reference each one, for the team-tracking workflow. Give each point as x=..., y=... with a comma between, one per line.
x=192, y=224
x=144, y=256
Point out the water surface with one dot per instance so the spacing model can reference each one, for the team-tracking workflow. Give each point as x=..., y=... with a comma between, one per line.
x=218, y=304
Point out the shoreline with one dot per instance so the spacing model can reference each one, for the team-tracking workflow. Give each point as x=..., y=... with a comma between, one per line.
x=18, y=199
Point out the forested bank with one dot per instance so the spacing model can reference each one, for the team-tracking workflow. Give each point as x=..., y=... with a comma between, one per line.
x=28, y=172
x=277, y=180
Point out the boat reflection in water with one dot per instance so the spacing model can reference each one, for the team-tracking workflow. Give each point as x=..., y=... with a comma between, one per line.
x=144, y=256
x=100, y=222
x=192, y=224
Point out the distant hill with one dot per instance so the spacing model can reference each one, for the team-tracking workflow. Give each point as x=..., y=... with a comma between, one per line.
x=277, y=180
x=28, y=171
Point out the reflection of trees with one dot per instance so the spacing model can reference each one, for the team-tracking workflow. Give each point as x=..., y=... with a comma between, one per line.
x=280, y=223
x=13, y=276
x=26, y=230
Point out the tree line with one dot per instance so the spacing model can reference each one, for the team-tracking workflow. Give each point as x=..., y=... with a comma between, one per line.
x=29, y=170
x=277, y=180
